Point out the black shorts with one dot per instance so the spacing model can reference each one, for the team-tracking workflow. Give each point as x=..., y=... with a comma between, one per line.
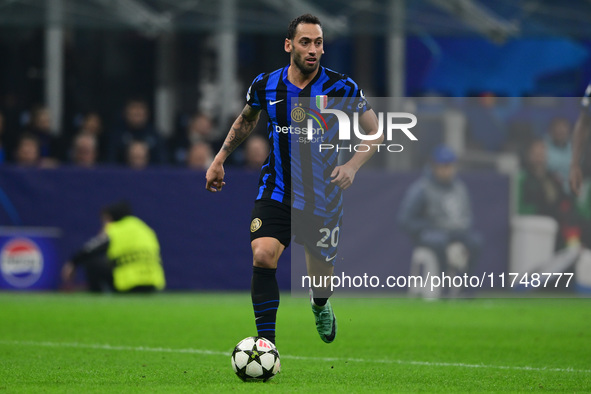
x=318, y=234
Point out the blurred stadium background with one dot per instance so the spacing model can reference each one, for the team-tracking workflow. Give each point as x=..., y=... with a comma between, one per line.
x=486, y=77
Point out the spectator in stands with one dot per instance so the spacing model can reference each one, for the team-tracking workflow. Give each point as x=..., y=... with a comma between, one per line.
x=84, y=150
x=40, y=127
x=436, y=213
x=487, y=117
x=559, y=150
x=540, y=192
x=28, y=151
x=92, y=124
x=124, y=257
x=256, y=152
x=136, y=127
x=199, y=129
x=200, y=156
x=138, y=155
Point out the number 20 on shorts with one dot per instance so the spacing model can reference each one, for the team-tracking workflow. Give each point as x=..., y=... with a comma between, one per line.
x=326, y=234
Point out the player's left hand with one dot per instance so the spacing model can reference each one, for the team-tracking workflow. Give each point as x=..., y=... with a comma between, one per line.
x=343, y=176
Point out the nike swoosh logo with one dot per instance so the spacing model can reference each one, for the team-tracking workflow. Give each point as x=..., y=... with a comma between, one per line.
x=257, y=318
x=330, y=258
x=275, y=102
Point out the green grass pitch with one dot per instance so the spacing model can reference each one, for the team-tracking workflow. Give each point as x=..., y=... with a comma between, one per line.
x=175, y=343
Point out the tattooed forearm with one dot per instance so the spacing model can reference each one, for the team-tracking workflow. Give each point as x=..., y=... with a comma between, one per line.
x=241, y=129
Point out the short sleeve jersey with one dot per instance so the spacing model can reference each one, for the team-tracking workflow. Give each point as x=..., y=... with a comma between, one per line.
x=296, y=172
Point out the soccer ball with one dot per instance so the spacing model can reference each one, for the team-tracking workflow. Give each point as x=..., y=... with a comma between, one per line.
x=255, y=358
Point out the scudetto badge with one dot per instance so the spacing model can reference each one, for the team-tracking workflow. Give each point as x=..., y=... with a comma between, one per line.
x=255, y=224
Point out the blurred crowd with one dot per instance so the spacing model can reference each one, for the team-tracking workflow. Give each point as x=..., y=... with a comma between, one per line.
x=543, y=186
x=27, y=140
x=539, y=134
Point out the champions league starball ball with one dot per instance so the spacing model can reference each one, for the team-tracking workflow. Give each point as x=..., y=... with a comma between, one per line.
x=255, y=359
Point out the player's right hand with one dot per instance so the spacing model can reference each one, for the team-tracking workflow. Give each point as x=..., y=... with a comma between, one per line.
x=214, y=178
x=576, y=179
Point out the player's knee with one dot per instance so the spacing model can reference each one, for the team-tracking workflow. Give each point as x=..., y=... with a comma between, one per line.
x=264, y=258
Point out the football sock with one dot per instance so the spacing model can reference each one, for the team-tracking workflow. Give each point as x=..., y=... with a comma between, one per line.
x=320, y=296
x=264, y=292
x=320, y=301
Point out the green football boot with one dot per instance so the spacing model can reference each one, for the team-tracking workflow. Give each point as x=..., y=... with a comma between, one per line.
x=326, y=322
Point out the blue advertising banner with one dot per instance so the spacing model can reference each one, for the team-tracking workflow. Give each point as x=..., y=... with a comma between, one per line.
x=205, y=236
x=29, y=258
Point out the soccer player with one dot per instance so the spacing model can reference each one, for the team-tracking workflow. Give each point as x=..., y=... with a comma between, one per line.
x=313, y=195
x=580, y=136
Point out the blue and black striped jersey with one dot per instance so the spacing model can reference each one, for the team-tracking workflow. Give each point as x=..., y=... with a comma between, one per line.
x=296, y=172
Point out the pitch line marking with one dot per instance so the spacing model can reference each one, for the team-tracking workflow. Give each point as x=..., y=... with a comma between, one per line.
x=286, y=356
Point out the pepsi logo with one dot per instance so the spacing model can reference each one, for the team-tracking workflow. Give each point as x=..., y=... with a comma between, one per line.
x=21, y=262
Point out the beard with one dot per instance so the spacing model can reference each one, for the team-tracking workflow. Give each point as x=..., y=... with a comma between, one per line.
x=303, y=67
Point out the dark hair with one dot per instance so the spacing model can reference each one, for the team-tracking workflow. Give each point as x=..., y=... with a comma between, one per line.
x=27, y=136
x=117, y=210
x=136, y=100
x=306, y=18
